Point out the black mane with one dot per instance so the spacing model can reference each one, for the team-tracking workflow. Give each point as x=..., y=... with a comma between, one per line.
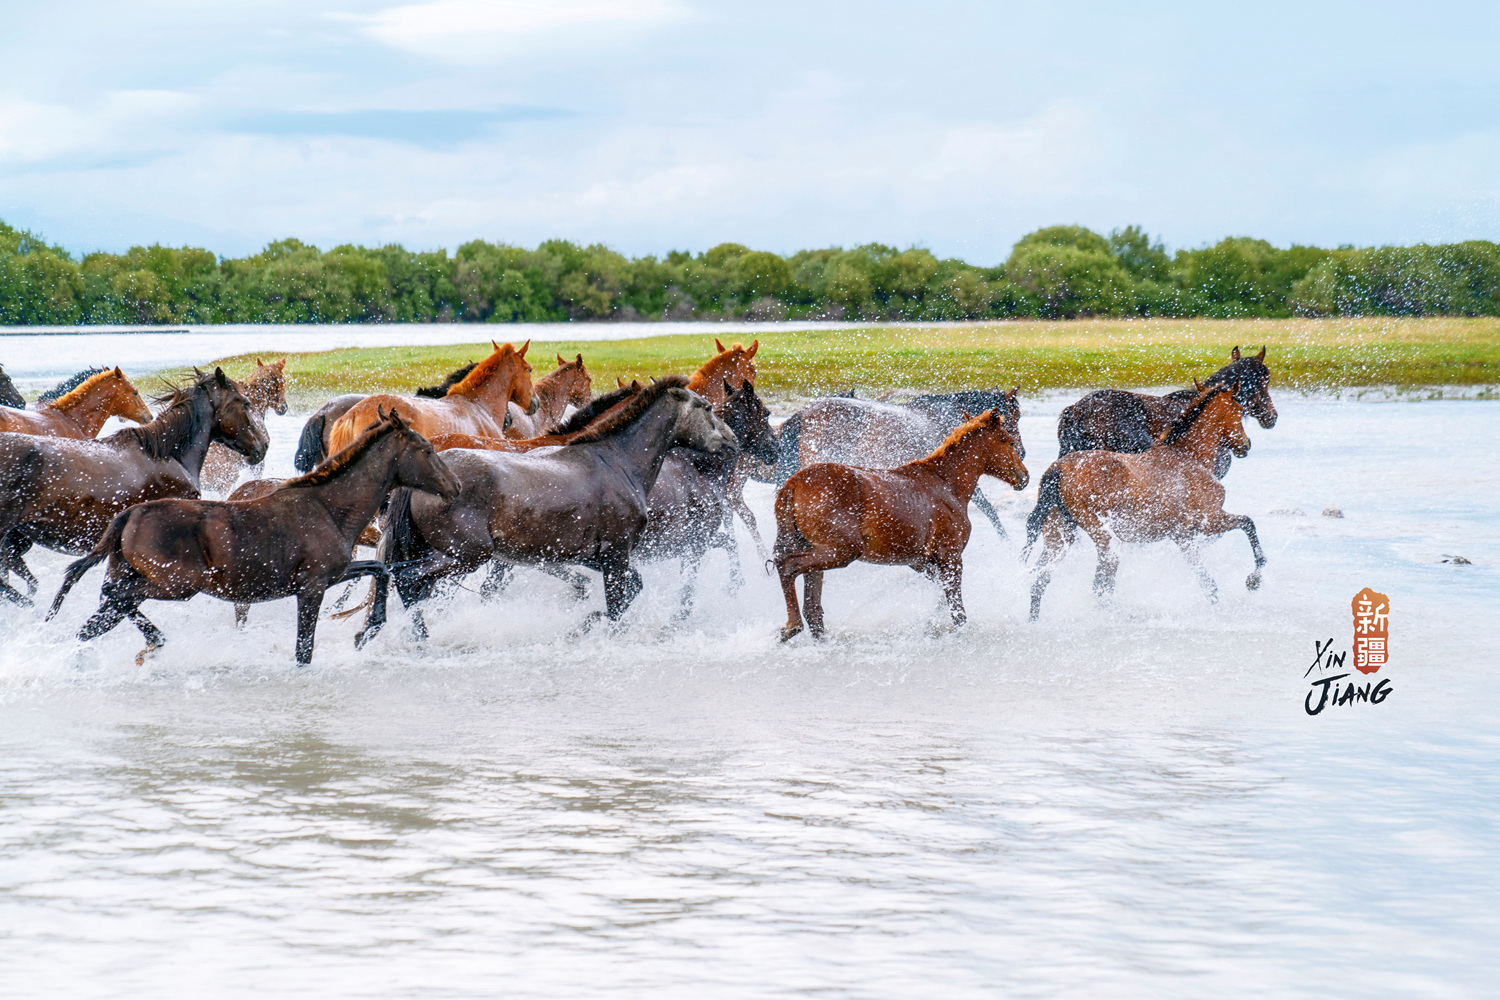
x=9, y=396
x=68, y=384
x=588, y=414
x=440, y=390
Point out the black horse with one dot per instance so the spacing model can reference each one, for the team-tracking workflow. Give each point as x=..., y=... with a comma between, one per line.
x=9, y=395
x=1131, y=422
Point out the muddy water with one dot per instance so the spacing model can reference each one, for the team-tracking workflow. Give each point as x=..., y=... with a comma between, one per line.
x=1126, y=799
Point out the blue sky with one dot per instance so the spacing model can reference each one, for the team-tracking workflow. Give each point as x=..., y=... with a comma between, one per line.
x=651, y=125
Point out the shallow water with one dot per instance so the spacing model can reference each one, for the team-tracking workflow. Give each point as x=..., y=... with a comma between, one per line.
x=1126, y=799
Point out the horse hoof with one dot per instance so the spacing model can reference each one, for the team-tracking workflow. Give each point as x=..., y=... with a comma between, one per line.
x=140, y=658
x=787, y=631
x=364, y=635
x=1252, y=582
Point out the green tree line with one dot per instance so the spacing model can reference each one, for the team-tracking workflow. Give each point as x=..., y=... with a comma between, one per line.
x=1056, y=272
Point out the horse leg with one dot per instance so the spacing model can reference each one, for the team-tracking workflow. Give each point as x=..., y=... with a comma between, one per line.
x=988, y=510
x=724, y=539
x=1104, y=573
x=793, y=612
x=241, y=615
x=1233, y=521
x=1195, y=560
x=1057, y=535
x=951, y=574
x=498, y=579
x=621, y=585
x=578, y=581
x=739, y=506
x=309, y=604
x=16, y=545
x=375, y=619
x=154, y=639
x=812, y=602
x=117, y=600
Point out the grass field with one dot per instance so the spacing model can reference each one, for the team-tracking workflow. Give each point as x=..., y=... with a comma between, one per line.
x=1303, y=354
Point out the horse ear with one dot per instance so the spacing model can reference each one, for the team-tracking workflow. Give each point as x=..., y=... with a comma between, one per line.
x=119, y=373
x=755, y=346
x=198, y=371
x=965, y=414
x=720, y=345
x=1234, y=355
x=560, y=361
x=494, y=345
x=221, y=378
x=1014, y=392
x=259, y=363
x=1197, y=385
x=579, y=359
x=728, y=388
x=522, y=352
x=1262, y=355
x=619, y=381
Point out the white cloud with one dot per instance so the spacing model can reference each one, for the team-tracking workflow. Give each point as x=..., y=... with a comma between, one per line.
x=122, y=123
x=479, y=30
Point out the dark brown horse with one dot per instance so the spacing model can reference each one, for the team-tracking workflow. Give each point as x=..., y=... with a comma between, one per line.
x=917, y=514
x=79, y=407
x=689, y=510
x=312, y=445
x=581, y=504
x=1167, y=491
x=884, y=435
x=9, y=394
x=63, y=493
x=295, y=541
x=1116, y=420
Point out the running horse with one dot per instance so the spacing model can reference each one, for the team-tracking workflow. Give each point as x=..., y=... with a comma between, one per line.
x=830, y=515
x=266, y=390
x=79, y=406
x=9, y=394
x=1166, y=492
x=1116, y=420
x=295, y=541
x=312, y=444
x=63, y=493
x=567, y=385
x=583, y=504
x=477, y=405
x=884, y=435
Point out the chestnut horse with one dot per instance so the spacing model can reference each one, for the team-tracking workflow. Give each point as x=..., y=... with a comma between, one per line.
x=296, y=540
x=64, y=493
x=312, y=444
x=477, y=405
x=1168, y=491
x=597, y=409
x=266, y=390
x=79, y=407
x=1116, y=420
x=582, y=504
x=732, y=367
x=9, y=394
x=567, y=385
x=883, y=435
x=830, y=515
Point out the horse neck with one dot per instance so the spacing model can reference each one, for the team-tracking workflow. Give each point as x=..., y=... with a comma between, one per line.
x=708, y=382
x=1202, y=440
x=494, y=392
x=183, y=432
x=961, y=465
x=551, y=397
x=639, y=449
x=353, y=496
x=91, y=408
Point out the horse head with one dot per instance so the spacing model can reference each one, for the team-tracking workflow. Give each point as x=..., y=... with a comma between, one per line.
x=234, y=425
x=268, y=385
x=1004, y=458
x=1254, y=392
x=133, y=407
x=418, y=464
x=697, y=426
x=578, y=382
x=750, y=421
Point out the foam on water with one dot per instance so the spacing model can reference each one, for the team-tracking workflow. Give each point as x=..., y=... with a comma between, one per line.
x=1125, y=799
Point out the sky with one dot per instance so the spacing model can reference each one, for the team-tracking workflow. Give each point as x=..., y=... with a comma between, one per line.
x=653, y=125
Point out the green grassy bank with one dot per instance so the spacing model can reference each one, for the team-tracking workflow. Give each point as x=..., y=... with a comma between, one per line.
x=1305, y=354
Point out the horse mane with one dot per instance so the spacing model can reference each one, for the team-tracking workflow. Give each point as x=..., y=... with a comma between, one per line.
x=630, y=412
x=970, y=399
x=179, y=410
x=588, y=414
x=1191, y=414
x=441, y=389
x=1250, y=371
x=958, y=434
x=333, y=465
x=73, y=385
x=481, y=372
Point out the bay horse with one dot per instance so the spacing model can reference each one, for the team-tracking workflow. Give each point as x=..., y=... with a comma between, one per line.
x=566, y=385
x=880, y=435
x=477, y=405
x=1167, y=491
x=581, y=504
x=9, y=394
x=63, y=492
x=1116, y=420
x=79, y=406
x=295, y=541
x=829, y=515
x=688, y=510
x=266, y=390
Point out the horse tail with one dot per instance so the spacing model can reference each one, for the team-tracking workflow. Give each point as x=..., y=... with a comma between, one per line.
x=400, y=540
x=1048, y=499
x=108, y=544
x=789, y=440
x=310, y=450
x=789, y=537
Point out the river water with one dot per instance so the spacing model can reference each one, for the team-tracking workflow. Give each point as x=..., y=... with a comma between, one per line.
x=1125, y=799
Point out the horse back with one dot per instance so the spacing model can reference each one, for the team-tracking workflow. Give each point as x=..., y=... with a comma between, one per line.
x=865, y=433
x=1106, y=420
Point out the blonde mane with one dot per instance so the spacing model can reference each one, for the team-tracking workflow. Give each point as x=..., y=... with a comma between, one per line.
x=76, y=394
x=961, y=432
x=483, y=371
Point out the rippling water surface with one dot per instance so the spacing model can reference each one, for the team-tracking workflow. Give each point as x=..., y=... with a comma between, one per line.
x=1126, y=799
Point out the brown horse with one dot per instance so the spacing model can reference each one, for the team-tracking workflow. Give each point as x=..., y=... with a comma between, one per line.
x=296, y=540
x=80, y=407
x=917, y=515
x=732, y=366
x=64, y=493
x=266, y=390
x=1168, y=491
x=1116, y=420
x=583, y=504
x=477, y=405
x=567, y=385
x=597, y=409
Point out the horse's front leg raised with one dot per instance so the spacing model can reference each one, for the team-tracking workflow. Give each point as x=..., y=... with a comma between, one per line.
x=1222, y=522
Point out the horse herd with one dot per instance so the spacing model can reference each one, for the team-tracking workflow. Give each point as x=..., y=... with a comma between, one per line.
x=490, y=469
